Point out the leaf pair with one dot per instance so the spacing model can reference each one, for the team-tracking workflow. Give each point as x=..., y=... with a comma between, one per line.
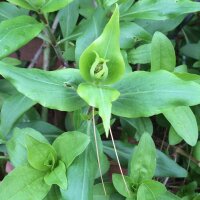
x=142, y=169
x=44, y=6
x=46, y=164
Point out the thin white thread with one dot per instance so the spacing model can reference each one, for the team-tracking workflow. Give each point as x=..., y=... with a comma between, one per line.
x=97, y=152
x=120, y=168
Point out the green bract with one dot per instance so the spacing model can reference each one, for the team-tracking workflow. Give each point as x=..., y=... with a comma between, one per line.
x=102, y=62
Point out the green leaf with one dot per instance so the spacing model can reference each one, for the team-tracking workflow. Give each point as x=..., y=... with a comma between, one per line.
x=12, y=109
x=165, y=166
x=100, y=97
x=119, y=185
x=16, y=146
x=162, y=53
x=150, y=190
x=130, y=32
x=68, y=17
x=14, y=34
x=184, y=123
x=141, y=92
x=40, y=85
x=54, y=194
x=24, y=183
x=41, y=156
x=11, y=61
x=169, y=196
x=174, y=138
x=99, y=194
x=54, y=5
x=104, y=52
x=141, y=125
x=8, y=11
x=82, y=173
x=191, y=50
x=57, y=176
x=48, y=130
x=42, y=5
x=87, y=33
x=65, y=143
x=143, y=161
x=22, y=3
x=160, y=9
x=140, y=55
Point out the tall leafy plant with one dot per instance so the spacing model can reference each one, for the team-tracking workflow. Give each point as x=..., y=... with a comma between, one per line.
x=113, y=64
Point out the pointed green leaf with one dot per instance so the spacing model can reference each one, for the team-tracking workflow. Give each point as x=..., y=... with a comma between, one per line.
x=184, y=122
x=165, y=166
x=174, y=138
x=107, y=48
x=143, y=161
x=53, y=5
x=65, y=143
x=41, y=156
x=119, y=185
x=12, y=109
x=150, y=93
x=8, y=11
x=85, y=168
x=16, y=146
x=160, y=9
x=24, y=183
x=150, y=190
x=55, y=89
x=42, y=5
x=57, y=176
x=162, y=53
x=100, y=97
x=14, y=34
x=22, y=3
x=68, y=18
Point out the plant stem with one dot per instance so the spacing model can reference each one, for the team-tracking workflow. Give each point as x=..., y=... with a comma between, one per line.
x=183, y=153
x=120, y=168
x=40, y=50
x=97, y=151
x=52, y=38
x=46, y=58
x=4, y=158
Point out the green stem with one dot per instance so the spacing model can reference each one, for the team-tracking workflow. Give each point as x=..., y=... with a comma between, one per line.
x=46, y=59
x=4, y=158
x=53, y=40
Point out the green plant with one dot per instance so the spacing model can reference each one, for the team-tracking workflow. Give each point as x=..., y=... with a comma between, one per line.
x=116, y=59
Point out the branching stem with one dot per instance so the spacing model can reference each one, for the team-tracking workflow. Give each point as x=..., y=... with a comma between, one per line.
x=52, y=38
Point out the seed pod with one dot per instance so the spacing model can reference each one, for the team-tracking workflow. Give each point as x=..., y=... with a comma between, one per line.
x=102, y=62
